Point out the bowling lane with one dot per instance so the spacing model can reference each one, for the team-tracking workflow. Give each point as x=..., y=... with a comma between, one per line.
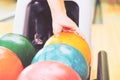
x=106, y=37
x=7, y=10
x=7, y=15
x=6, y=27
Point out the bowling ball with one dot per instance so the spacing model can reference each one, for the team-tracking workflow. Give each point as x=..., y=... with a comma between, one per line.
x=48, y=70
x=65, y=54
x=10, y=65
x=74, y=40
x=20, y=45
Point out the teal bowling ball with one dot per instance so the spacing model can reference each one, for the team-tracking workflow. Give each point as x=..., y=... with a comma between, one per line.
x=65, y=54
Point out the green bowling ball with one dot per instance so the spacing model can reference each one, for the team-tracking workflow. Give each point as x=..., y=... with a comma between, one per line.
x=20, y=45
x=65, y=54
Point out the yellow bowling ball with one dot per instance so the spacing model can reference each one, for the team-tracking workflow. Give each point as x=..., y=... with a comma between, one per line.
x=74, y=40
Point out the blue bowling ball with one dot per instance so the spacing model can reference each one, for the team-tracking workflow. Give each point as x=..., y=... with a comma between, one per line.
x=65, y=54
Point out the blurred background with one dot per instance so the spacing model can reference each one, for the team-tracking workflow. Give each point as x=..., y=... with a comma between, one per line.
x=105, y=31
x=7, y=13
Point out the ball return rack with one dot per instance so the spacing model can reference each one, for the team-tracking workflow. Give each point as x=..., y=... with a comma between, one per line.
x=33, y=20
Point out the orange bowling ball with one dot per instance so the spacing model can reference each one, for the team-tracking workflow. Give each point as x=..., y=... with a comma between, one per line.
x=10, y=65
x=74, y=40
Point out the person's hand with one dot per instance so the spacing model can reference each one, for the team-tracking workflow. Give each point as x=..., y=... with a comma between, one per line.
x=61, y=22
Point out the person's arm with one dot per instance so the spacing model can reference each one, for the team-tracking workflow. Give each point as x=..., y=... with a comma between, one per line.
x=57, y=7
x=59, y=17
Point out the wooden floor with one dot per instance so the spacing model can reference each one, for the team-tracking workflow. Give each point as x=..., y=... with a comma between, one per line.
x=7, y=11
x=105, y=36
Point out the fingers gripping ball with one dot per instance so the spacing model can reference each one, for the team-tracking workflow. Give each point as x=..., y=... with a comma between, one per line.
x=20, y=45
x=74, y=40
x=10, y=65
x=65, y=54
x=48, y=70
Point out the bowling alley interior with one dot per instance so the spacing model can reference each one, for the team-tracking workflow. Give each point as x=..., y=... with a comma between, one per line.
x=105, y=36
